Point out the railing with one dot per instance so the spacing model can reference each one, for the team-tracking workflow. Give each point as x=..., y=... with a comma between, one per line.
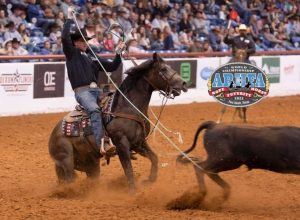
x=147, y=55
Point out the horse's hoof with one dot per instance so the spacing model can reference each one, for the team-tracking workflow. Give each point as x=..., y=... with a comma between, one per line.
x=148, y=182
x=132, y=191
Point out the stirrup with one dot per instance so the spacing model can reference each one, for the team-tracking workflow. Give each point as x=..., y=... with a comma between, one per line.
x=104, y=144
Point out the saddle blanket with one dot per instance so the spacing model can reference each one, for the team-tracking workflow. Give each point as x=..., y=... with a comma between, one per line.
x=78, y=123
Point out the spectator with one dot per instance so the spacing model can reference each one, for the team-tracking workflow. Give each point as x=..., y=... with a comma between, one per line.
x=269, y=39
x=168, y=40
x=46, y=50
x=215, y=39
x=17, y=48
x=123, y=19
x=133, y=47
x=197, y=46
x=142, y=38
x=184, y=23
x=200, y=23
x=81, y=18
x=253, y=28
x=174, y=14
x=106, y=19
x=175, y=37
x=11, y=32
x=207, y=47
x=185, y=38
x=3, y=6
x=91, y=31
x=3, y=19
x=7, y=48
x=108, y=43
x=55, y=6
x=57, y=47
x=60, y=19
x=157, y=42
x=223, y=13
x=25, y=38
x=16, y=14
x=37, y=16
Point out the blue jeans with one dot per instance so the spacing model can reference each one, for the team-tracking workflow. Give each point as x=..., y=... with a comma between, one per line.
x=88, y=98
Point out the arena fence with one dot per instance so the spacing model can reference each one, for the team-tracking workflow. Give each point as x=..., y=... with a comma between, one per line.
x=39, y=84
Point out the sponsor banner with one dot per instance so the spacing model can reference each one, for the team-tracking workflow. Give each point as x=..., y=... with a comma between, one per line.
x=238, y=84
x=49, y=80
x=271, y=66
x=186, y=69
x=290, y=71
x=16, y=79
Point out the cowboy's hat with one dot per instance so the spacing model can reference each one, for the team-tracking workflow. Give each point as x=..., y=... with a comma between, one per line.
x=242, y=27
x=75, y=34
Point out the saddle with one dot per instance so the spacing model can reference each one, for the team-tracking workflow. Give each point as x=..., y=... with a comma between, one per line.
x=78, y=123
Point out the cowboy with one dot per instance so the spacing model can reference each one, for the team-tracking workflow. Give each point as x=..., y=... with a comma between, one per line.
x=83, y=69
x=242, y=41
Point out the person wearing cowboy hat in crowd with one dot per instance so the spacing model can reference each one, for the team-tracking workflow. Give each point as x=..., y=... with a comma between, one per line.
x=90, y=28
x=17, y=48
x=7, y=48
x=242, y=41
x=83, y=69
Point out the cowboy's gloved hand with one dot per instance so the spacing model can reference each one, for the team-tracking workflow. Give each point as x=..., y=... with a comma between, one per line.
x=71, y=10
x=120, y=47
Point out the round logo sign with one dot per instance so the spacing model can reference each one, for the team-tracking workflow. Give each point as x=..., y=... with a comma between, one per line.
x=238, y=84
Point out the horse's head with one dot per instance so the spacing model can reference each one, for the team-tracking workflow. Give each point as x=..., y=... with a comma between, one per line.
x=164, y=78
x=240, y=55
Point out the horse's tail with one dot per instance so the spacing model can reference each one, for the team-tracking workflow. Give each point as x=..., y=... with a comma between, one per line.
x=204, y=125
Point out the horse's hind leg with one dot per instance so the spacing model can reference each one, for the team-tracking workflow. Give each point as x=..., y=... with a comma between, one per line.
x=65, y=170
x=244, y=109
x=147, y=152
x=93, y=170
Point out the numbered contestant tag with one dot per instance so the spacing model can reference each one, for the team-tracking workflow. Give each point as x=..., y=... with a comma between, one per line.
x=238, y=84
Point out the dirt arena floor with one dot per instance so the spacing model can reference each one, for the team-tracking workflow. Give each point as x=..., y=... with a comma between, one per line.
x=28, y=187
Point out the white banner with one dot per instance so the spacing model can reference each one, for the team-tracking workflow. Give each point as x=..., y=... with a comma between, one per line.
x=21, y=82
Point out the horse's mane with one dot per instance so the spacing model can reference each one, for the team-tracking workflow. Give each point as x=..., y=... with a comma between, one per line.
x=133, y=75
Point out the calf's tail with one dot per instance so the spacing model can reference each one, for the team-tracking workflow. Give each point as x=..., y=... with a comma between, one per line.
x=204, y=125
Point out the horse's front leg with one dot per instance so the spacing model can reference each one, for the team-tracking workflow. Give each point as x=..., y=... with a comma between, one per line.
x=147, y=152
x=123, y=150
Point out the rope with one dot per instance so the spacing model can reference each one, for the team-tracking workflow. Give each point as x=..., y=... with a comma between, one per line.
x=141, y=113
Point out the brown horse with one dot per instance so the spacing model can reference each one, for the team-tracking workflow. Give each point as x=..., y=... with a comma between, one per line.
x=127, y=129
x=240, y=56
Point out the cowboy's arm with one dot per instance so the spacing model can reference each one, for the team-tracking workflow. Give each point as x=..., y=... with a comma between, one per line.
x=228, y=40
x=68, y=47
x=108, y=65
x=251, y=47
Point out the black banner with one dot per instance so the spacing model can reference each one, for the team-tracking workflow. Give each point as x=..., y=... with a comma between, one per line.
x=49, y=80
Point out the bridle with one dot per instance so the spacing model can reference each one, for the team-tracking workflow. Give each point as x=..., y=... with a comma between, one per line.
x=167, y=93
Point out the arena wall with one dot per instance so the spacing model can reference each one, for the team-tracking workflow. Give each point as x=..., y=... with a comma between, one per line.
x=43, y=87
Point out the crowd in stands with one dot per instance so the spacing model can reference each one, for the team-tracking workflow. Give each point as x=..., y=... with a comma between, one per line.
x=34, y=26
